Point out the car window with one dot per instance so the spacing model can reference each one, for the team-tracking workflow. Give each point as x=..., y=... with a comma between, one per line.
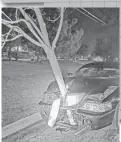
x=97, y=72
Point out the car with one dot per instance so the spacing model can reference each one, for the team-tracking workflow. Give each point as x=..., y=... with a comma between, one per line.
x=19, y=55
x=97, y=86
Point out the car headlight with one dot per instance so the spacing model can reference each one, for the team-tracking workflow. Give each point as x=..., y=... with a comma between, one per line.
x=97, y=107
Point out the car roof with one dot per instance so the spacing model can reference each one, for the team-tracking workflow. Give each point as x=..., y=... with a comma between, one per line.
x=101, y=65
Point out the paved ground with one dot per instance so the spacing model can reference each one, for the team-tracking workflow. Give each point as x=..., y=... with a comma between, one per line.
x=41, y=133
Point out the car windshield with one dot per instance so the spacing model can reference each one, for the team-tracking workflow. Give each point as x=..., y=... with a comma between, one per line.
x=97, y=72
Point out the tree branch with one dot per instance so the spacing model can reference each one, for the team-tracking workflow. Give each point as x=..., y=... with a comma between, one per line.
x=6, y=37
x=12, y=39
x=30, y=20
x=59, y=29
x=42, y=26
x=29, y=15
x=28, y=25
x=54, y=19
x=17, y=29
x=16, y=14
x=6, y=16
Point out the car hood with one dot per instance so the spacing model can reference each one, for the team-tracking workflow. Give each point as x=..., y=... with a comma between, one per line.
x=87, y=85
x=91, y=85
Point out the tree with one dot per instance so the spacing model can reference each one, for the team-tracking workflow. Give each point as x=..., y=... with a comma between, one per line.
x=70, y=37
x=107, y=38
x=83, y=50
x=107, y=46
x=34, y=28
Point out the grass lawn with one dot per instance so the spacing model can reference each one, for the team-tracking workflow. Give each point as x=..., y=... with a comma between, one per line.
x=23, y=85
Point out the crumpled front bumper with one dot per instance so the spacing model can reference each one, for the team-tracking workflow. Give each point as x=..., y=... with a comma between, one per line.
x=99, y=120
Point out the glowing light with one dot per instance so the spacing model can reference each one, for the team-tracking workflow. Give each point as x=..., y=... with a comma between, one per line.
x=95, y=107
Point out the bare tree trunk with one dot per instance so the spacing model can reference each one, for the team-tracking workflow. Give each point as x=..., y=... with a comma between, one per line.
x=57, y=72
x=59, y=78
x=60, y=81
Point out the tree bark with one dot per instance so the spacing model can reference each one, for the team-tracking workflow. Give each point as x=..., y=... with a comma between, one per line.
x=61, y=84
x=57, y=72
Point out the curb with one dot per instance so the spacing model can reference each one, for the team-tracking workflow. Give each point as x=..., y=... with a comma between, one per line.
x=20, y=124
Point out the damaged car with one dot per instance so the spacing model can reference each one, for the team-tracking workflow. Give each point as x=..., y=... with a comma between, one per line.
x=96, y=89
